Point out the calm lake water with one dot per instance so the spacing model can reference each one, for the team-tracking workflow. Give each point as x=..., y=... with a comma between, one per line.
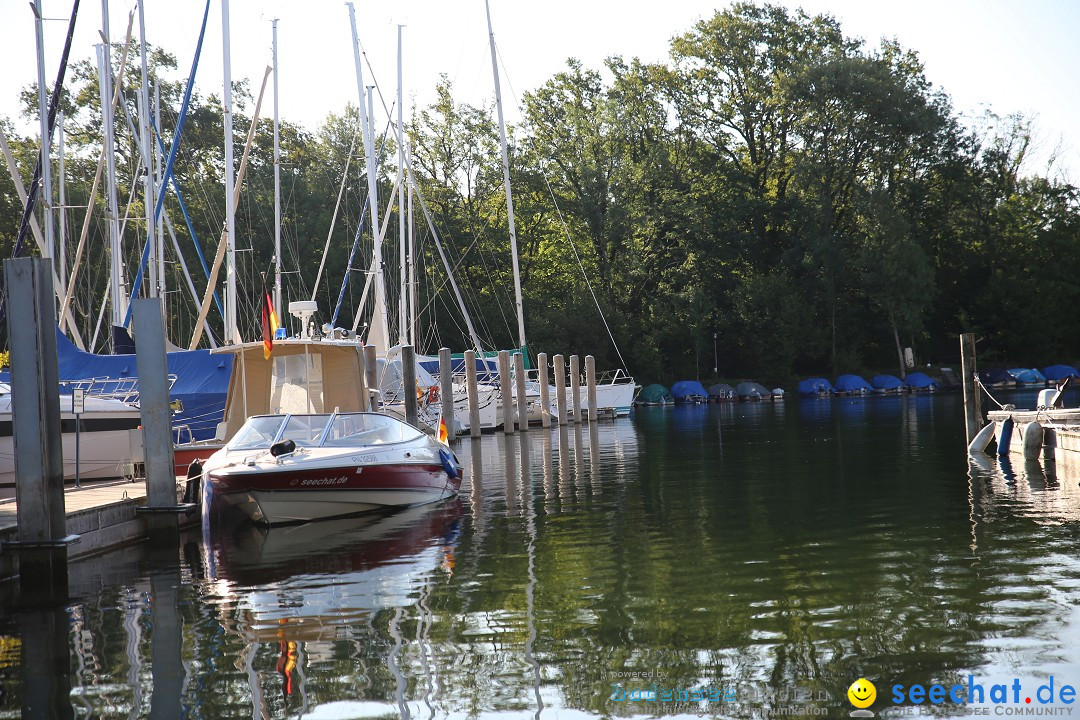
x=764, y=555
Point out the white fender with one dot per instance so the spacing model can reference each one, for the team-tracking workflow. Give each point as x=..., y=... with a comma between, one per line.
x=1033, y=440
x=981, y=440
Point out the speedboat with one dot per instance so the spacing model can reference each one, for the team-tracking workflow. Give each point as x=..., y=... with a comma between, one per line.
x=288, y=468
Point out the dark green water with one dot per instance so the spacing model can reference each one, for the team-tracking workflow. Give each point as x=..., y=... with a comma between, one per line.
x=769, y=554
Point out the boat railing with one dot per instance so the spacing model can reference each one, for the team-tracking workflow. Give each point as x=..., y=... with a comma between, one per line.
x=126, y=389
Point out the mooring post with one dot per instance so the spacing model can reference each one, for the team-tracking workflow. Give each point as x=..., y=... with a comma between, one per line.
x=35, y=410
x=408, y=383
x=560, y=388
x=575, y=386
x=545, y=391
x=471, y=390
x=504, y=391
x=446, y=391
x=522, y=398
x=371, y=371
x=590, y=385
x=365, y=397
x=972, y=399
x=152, y=366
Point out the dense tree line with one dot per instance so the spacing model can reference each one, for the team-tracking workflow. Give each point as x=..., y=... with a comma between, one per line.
x=811, y=203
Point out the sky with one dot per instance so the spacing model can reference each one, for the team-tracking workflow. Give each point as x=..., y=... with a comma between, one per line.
x=1000, y=55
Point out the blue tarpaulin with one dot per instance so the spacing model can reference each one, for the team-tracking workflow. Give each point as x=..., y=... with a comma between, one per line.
x=852, y=384
x=815, y=386
x=1060, y=372
x=921, y=381
x=689, y=390
x=886, y=382
x=202, y=380
x=1028, y=376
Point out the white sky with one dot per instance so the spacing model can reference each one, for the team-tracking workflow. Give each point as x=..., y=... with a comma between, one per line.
x=998, y=54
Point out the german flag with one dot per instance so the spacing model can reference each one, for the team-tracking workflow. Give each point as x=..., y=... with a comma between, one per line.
x=269, y=322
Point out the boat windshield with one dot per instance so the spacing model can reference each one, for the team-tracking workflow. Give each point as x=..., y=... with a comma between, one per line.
x=305, y=430
x=257, y=432
x=352, y=429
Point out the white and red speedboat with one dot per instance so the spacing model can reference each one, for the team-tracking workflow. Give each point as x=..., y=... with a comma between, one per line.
x=300, y=467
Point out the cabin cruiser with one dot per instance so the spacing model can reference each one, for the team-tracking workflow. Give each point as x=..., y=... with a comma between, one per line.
x=298, y=467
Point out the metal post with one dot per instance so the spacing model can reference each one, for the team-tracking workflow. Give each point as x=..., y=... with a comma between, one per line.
x=590, y=385
x=560, y=388
x=545, y=399
x=446, y=390
x=408, y=383
x=371, y=369
x=78, y=404
x=470, y=388
x=575, y=386
x=522, y=400
x=972, y=399
x=504, y=392
x=154, y=402
x=35, y=408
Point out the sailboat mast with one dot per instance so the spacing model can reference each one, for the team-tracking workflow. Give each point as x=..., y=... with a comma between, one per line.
x=231, y=335
x=412, y=256
x=116, y=267
x=377, y=332
x=149, y=197
x=61, y=244
x=506, y=182
x=46, y=139
x=277, y=188
x=403, y=300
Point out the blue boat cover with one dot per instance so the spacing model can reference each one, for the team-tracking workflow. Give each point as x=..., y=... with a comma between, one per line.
x=995, y=376
x=1060, y=372
x=202, y=380
x=752, y=390
x=852, y=383
x=815, y=386
x=886, y=382
x=684, y=389
x=921, y=381
x=1028, y=376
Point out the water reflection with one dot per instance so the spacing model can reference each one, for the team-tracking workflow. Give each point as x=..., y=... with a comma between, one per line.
x=772, y=550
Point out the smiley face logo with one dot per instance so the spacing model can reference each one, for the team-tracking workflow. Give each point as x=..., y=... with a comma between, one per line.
x=862, y=693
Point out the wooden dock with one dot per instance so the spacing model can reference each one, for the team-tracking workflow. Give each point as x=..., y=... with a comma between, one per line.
x=104, y=515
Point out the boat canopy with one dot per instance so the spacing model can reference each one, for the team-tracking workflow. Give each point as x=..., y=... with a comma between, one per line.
x=921, y=381
x=1060, y=372
x=752, y=390
x=815, y=386
x=687, y=389
x=655, y=394
x=1028, y=376
x=722, y=390
x=886, y=382
x=852, y=384
x=996, y=376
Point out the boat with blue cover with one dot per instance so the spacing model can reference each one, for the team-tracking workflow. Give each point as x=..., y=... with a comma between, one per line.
x=689, y=391
x=888, y=384
x=921, y=382
x=853, y=385
x=816, y=387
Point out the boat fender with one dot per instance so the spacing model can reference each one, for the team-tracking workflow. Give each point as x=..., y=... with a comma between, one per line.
x=981, y=441
x=285, y=447
x=193, y=487
x=1005, y=436
x=1033, y=440
x=448, y=463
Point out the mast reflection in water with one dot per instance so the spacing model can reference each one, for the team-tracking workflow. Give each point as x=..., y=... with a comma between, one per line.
x=764, y=550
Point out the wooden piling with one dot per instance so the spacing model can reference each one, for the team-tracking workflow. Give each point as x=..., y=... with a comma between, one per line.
x=446, y=390
x=575, y=386
x=590, y=385
x=973, y=417
x=152, y=366
x=504, y=392
x=545, y=391
x=522, y=400
x=470, y=388
x=560, y=388
x=408, y=383
x=371, y=371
